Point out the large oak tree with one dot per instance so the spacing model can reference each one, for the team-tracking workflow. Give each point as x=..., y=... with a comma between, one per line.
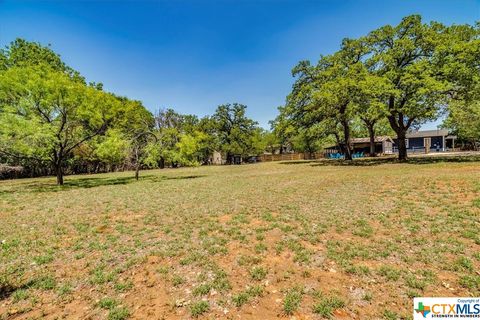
x=46, y=114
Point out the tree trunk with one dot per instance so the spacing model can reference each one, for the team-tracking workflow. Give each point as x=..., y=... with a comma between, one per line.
x=162, y=163
x=402, y=146
x=137, y=171
x=59, y=173
x=137, y=164
x=371, y=133
x=399, y=126
x=346, y=135
x=401, y=130
x=337, y=139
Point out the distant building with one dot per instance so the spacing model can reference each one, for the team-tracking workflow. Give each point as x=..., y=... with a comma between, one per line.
x=383, y=145
x=280, y=149
x=428, y=141
x=416, y=141
x=217, y=158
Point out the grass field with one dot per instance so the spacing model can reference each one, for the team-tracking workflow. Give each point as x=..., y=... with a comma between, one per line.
x=305, y=239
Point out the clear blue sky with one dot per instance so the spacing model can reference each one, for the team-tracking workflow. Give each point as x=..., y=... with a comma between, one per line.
x=194, y=55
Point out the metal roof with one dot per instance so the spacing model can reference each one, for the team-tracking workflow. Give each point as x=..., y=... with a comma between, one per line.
x=367, y=140
x=427, y=133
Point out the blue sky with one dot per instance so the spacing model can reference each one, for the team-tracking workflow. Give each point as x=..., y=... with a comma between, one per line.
x=194, y=55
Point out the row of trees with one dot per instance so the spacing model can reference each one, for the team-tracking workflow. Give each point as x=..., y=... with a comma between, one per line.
x=53, y=122
x=392, y=80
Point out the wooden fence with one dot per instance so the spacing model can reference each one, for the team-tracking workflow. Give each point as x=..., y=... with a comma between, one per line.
x=290, y=156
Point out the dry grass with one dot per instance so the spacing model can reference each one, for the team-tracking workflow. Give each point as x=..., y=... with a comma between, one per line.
x=256, y=240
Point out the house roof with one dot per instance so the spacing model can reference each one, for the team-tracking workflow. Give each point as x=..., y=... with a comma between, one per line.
x=367, y=140
x=427, y=133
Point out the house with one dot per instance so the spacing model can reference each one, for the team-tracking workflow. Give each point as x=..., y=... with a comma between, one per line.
x=220, y=158
x=428, y=141
x=279, y=149
x=383, y=145
x=217, y=158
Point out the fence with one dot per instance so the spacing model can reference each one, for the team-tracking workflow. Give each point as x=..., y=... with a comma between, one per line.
x=291, y=156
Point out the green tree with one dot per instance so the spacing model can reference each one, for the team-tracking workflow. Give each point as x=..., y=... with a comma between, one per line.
x=464, y=120
x=369, y=101
x=22, y=53
x=283, y=128
x=46, y=115
x=113, y=148
x=328, y=92
x=190, y=148
x=234, y=130
x=406, y=56
x=169, y=125
x=462, y=51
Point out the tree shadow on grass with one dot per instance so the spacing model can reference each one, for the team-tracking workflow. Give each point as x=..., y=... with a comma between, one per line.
x=289, y=162
x=391, y=160
x=90, y=182
x=6, y=290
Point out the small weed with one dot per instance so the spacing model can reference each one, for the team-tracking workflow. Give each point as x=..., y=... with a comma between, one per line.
x=199, y=308
x=367, y=297
x=248, y=260
x=240, y=299
x=65, y=289
x=45, y=283
x=327, y=305
x=119, y=313
x=43, y=259
x=20, y=294
x=470, y=281
x=292, y=300
x=202, y=289
x=390, y=315
x=260, y=247
x=390, y=273
x=358, y=270
x=412, y=294
x=163, y=270
x=123, y=286
x=258, y=273
x=107, y=303
x=476, y=203
x=177, y=280
x=362, y=229
x=463, y=263
x=255, y=291
x=243, y=297
x=220, y=282
x=99, y=276
x=476, y=255
x=414, y=282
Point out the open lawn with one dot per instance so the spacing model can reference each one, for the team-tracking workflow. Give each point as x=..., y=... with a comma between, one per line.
x=304, y=239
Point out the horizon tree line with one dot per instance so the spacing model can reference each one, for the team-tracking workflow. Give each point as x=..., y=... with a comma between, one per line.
x=392, y=80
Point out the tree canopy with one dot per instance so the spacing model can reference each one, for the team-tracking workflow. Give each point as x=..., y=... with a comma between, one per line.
x=407, y=74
